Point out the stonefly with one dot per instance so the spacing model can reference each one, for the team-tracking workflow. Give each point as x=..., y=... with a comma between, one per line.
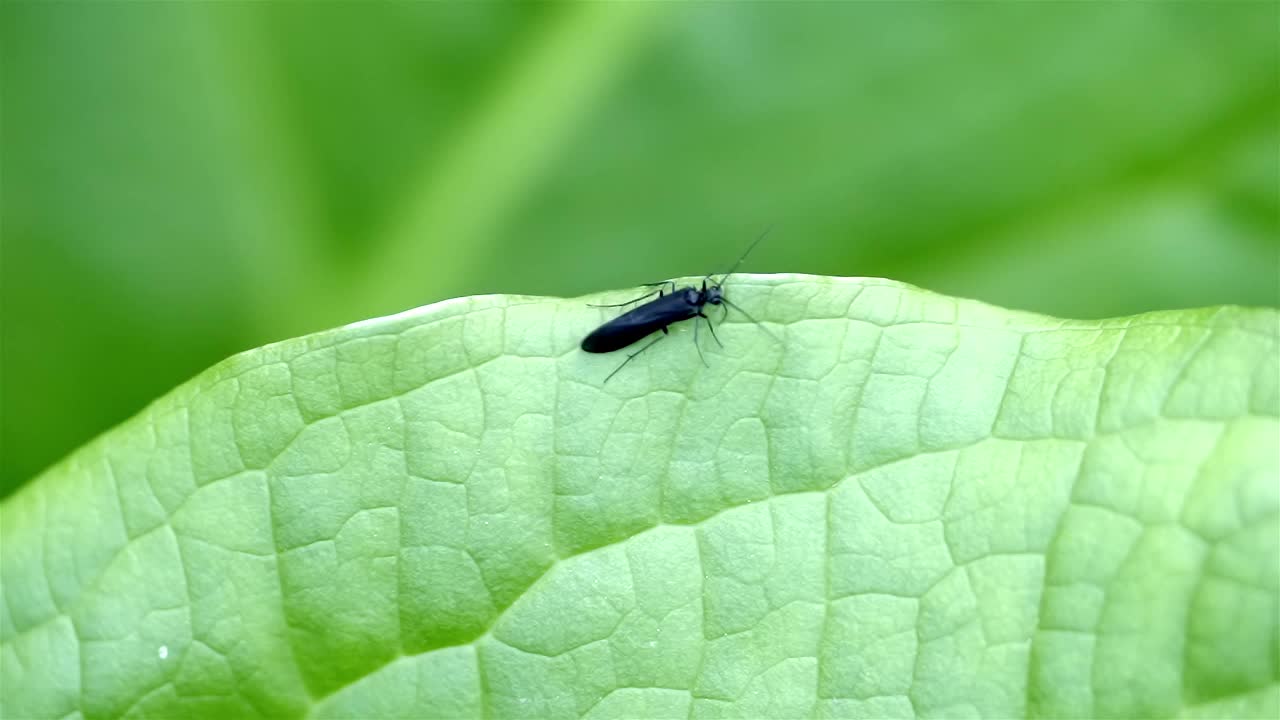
x=668, y=308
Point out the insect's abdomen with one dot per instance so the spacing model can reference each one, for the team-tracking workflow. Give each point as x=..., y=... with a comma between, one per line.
x=607, y=339
x=631, y=326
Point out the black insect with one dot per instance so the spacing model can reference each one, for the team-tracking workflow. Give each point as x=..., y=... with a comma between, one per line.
x=671, y=306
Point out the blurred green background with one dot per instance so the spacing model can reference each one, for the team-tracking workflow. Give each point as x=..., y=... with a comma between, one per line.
x=184, y=181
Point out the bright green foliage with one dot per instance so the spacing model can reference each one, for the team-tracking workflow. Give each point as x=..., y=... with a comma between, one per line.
x=910, y=506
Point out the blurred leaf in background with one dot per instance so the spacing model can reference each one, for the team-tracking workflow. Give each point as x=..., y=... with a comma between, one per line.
x=181, y=182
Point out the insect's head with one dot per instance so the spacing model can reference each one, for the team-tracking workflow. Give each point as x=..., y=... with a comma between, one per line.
x=713, y=293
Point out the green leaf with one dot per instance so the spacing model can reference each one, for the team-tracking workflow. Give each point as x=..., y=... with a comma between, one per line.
x=910, y=506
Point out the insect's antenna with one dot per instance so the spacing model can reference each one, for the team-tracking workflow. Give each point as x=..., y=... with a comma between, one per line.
x=757, y=322
x=750, y=247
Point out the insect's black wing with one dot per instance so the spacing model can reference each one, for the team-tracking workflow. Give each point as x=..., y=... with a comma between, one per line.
x=633, y=325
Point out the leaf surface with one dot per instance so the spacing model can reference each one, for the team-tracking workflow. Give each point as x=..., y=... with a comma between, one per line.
x=911, y=506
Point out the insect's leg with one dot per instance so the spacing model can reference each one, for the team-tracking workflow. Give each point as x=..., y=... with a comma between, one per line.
x=659, y=292
x=629, y=302
x=633, y=355
x=712, y=328
x=664, y=283
x=696, y=345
